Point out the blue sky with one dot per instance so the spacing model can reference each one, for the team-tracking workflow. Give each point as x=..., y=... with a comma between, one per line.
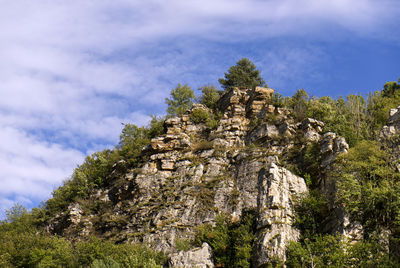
x=73, y=71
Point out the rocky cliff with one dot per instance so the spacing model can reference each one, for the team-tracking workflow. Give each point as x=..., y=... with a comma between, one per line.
x=194, y=172
x=390, y=134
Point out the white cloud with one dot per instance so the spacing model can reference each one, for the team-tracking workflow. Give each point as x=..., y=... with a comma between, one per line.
x=72, y=71
x=30, y=168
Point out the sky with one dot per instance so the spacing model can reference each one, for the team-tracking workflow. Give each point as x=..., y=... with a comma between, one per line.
x=73, y=72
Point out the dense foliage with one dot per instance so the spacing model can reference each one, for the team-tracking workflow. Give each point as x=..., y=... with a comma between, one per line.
x=244, y=74
x=96, y=170
x=368, y=187
x=230, y=240
x=354, y=117
x=22, y=244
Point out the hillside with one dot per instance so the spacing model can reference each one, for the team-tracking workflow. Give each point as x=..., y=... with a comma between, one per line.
x=251, y=179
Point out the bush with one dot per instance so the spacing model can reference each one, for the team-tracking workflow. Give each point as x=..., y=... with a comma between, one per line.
x=183, y=244
x=333, y=251
x=232, y=242
x=199, y=116
x=126, y=255
x=312, y=211
x=321, y=251
x=93, y=173
x=22, y=244
x=210, y=96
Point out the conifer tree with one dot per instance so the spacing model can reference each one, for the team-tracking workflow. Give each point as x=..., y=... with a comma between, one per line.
x=182, y=98
x=243, y=74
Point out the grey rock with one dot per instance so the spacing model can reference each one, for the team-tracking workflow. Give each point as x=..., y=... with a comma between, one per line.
x=195, y=258
x=75, y=213
x=179, y=187
x=331, y=146
x=278, y=191
x=263, y=132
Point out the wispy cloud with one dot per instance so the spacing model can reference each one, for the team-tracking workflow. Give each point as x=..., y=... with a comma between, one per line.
x=72, y=71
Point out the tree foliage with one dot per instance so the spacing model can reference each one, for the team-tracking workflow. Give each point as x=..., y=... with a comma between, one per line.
x=333, y=251
x=95, y=171
x=210, y=96
x=368, y=186
x=22, y=244
x=244, y=74
x=391, y=89
x=231, y=241
x=181, y=100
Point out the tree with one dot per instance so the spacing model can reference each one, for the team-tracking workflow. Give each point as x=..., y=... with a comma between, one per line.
x=182, y=98
x=15, y=213
x=243, y=74
x=156, y=126
x=368, y=188
x=210, y=96
x=131, y=143
x=390, y=89
x=300, y=104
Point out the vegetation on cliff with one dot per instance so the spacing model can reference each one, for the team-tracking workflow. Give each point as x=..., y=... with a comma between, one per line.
x=366, y=181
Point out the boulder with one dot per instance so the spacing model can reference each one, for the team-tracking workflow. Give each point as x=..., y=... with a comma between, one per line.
x=199, y=258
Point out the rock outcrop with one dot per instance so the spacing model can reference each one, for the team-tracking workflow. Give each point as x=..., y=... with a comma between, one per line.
x=392, y=128
x=193, y=172
x=198, y=257
x=278, y=191
x=390, y=135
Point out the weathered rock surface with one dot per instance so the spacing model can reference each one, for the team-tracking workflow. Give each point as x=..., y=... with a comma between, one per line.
x=312, y=129
x=393, y=125
x=331, y=146
x=193, y=173
x=390, y=135
x=278, y=189
x=199, y=258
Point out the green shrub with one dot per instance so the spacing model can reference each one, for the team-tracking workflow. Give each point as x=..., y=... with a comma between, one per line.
x=333, y=251
x=183, y=244
x=368, y=187
x=232, y=242
x=202, y=145
x=127, y=255
x=199, y=116
x=321, y=251
x=106, y=263
x=22, y=244
x=156, y=127
x=311, y=213
x=210, y=96
x=91, y=174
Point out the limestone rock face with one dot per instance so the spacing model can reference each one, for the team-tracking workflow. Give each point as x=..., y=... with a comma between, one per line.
x=75, y=213
x=312, y=129
x=331, y=146
x=193, y=172
x=259, y=103
x=277, y=192
x=390, y=134
x=199, y=257
x=393, y=125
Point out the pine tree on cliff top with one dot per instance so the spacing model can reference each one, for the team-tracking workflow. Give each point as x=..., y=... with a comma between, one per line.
x=243, y=74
